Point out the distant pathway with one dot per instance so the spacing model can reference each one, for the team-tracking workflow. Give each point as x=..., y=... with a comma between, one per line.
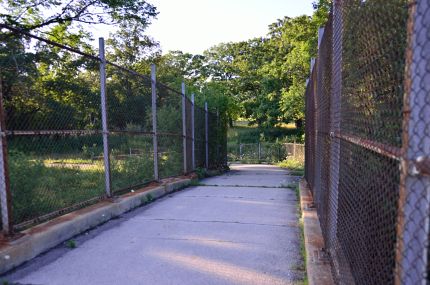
x=243, y=229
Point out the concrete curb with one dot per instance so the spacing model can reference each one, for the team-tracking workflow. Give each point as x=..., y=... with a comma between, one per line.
x=43, y=237
x=317, y=262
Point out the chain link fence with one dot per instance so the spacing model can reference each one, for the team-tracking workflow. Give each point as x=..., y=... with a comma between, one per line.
x=367, y=159
x=77, y=129
x=265, y=152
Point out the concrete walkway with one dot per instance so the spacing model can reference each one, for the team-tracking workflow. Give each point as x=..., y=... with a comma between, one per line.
x=239, y=228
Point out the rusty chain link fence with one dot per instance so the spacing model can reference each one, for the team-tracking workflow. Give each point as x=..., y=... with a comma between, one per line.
x=90, y=130
x=367, y=156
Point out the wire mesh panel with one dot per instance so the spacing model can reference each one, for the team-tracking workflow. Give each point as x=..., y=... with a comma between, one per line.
x=310, y=131
x=371, y=109
x=354, y=115
x=130, y=128
x=199, y=126
x=213, y=139
x=188, y=136
x=53, y=130
x=77, y=129
x=217, y=140
x=413, y=232
x=293, y=150
x=169, y=124
x=322, y=123
x=271, y=152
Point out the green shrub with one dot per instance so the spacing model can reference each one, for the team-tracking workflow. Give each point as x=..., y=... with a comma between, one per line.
x=295, y=165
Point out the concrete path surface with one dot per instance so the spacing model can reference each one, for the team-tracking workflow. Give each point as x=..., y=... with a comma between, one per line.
x=238, y=228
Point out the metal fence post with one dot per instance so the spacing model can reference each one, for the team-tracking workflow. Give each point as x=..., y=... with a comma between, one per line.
x=193, y=149
x=412, y=250
x=259, y=151
x=104, y=117
x=294, y=149
x=154, y=120
x=184, y=128
x=5, y=193
x=217, y=136
x=206, y=136
x=240, y=150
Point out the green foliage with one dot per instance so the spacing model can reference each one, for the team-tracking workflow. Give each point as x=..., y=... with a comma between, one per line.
x=149, y=198
x=41, y=190
x=295, y=165
x=201, y=172
x=130, y=171
x=248, y=134
x=31, y=14
x=71, y=244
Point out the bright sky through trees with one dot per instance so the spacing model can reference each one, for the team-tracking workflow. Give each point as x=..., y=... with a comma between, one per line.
x=196, y=25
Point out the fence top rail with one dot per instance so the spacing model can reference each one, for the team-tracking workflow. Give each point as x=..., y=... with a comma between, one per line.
x=28, y=34
x=85, y=54
x=130, y=71
x=271, y=143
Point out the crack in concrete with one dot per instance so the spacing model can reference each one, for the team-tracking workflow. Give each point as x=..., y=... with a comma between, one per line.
x=210, y=240
x=247, y=186
x=239, y=197
x=221, y=222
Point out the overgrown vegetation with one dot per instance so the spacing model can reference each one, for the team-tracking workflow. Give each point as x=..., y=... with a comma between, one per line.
x=253, y=134
x=301, y=234
x=45, y=87
x=43, y=183
x=296, y=166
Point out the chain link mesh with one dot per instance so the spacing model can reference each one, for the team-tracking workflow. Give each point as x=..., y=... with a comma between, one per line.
x=266, y=152
x=169, y=126
x=53, y=130
x=217, y=140
x=413, y=266
x=129, y=114
x=199, y=137
x=188, y=134
x=367, y=148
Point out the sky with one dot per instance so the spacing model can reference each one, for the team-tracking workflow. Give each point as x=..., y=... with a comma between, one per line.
x=196, y=25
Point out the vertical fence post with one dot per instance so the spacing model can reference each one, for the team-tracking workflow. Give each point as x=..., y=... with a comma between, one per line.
x=5, y=193
x=206, y=136
x=154, y=120
x=218, y=145
x=259, y=151
x=104, y=117
x=240, y=151
x=184, y=128
x=412, y=251
x=193, y=155
x=294, y=149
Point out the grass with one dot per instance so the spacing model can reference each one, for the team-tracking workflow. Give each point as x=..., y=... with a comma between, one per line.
x=301, y=235
x=296, y=166
x=252, y=134
x=71, y=244
x=44, y=184
x=271, y=139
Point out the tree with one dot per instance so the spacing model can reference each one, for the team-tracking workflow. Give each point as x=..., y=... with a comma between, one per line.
x=35, y=14
x=129, y=45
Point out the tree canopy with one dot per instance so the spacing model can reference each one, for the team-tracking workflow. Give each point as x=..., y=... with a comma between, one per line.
x=261, y=79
